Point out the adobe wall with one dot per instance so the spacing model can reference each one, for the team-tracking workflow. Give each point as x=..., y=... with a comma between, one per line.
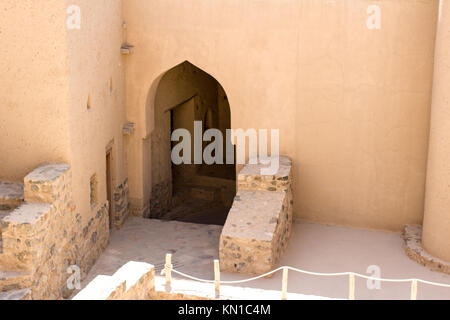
x=95, y=59
x=33, y=86
x=352, y=104
x=436, y=224
x=50, y=73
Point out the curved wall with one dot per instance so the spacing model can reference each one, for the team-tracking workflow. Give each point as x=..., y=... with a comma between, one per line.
x=436, y=224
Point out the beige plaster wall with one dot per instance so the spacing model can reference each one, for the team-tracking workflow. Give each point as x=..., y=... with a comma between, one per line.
x=352, y=104
x=94, y=59
x=436, y=225
x=33, y=86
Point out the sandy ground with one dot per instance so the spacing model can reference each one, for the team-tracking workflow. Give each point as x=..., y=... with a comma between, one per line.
x=313, y=247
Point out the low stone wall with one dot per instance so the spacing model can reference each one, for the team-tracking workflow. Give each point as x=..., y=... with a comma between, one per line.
x=133, y=281
x=412, y=244
x=137, y=281
x=91, y=241
x=259, y=223
x=160, y=201
x=121, y=204
x=45, y=235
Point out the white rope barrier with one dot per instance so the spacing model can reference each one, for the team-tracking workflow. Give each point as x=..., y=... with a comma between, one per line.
x=284, y=284
x=168, y=268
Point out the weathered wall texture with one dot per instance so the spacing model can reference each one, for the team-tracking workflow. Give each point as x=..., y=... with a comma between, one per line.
x=33, y=86
x=352, y=104
x=50, y=73
x=95, y=60
x=436, y=224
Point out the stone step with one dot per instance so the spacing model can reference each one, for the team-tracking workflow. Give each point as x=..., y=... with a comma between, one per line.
x=11, y=195
x=14, y=280
x=22, y=294
x=205, y=193
x=253, y=177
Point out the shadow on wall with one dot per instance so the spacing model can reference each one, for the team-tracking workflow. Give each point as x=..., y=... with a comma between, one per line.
x=197, y=193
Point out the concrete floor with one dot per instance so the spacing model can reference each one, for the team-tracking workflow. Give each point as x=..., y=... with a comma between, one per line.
x=313, y=247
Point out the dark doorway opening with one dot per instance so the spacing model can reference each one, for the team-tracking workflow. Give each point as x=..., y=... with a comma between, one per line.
x=198, y=193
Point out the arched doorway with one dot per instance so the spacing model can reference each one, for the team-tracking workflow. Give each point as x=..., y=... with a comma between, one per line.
x=198, y=193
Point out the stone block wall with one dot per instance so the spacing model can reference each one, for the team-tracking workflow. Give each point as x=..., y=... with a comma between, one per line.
x=121, y=204
x=250, y=178
x=139, y=208
x=92, y=240
x=259, y=223
x=160, y=201
x=45, y=235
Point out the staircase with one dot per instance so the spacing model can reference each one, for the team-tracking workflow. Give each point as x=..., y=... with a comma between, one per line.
x=16, y=284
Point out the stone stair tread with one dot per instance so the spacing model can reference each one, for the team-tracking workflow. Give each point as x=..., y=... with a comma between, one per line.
x=14, y=280
x=11, y=190
x=22, y=294
x=47, y=172
x=284, y=168
x=27, y=213
x=254, y=215
x=11, y=195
